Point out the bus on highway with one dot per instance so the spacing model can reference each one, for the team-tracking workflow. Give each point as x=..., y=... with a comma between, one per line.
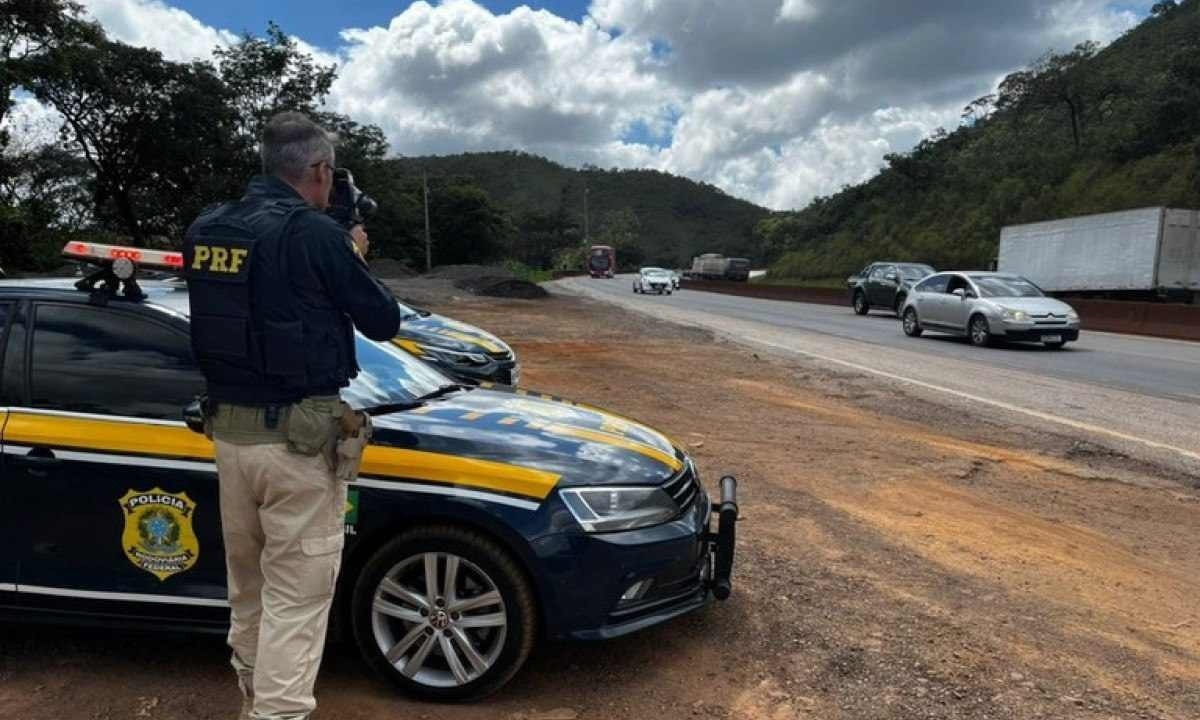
x=602, y=261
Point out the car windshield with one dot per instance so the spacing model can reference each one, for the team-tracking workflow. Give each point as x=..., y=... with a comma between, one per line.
x=654, y=273
x=389, y=376
x=997, y=287
x=914, y=272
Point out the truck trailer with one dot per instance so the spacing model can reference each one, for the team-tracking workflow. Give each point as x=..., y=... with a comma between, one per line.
x=1150, y=251
x=714, y=266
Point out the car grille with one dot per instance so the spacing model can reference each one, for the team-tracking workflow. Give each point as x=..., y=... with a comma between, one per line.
x=1049, y=319
x=683, y=487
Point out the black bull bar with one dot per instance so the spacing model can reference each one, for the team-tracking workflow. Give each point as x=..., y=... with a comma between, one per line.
x=721, y=543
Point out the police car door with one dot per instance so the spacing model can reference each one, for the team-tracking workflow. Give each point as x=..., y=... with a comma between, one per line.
x=117, y=498
x=8, y=540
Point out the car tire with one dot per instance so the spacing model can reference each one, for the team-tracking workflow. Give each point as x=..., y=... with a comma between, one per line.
x=1055, y=345
x=861, y=307
x=911, y=324
x=392, y=606
x=978, y=332
x=899, y=304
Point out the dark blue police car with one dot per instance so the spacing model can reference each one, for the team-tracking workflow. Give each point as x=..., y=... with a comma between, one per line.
x=483, y=517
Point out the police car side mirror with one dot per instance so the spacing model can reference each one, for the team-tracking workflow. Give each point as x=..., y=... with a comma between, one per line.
x=193, y=416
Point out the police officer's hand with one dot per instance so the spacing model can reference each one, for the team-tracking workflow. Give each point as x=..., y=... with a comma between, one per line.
x=359, y=235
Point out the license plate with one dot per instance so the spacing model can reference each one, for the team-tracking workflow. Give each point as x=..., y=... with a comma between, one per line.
x=1052, y=338
x=515, y=374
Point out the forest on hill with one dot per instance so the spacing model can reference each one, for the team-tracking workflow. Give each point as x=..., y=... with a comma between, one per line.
x=650, y=216
x=1087, y=131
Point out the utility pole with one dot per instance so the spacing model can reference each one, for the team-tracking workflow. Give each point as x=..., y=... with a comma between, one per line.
x=586, y=235
x=428, y=247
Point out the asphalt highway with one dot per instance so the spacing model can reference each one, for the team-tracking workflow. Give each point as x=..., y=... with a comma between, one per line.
x=1139, y=392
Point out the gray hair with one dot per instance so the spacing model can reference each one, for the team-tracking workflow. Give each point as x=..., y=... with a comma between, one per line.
x=292, y=143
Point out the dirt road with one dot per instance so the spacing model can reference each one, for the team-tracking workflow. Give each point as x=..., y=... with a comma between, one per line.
x=895, y=561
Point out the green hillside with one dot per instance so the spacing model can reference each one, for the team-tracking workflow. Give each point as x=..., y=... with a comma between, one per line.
x=1083, y=132
x=650, y=216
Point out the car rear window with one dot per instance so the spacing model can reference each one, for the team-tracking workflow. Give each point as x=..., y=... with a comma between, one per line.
x=110, y=362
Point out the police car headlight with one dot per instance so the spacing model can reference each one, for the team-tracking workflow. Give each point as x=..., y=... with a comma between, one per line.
x=603, y=509
x=454, y=356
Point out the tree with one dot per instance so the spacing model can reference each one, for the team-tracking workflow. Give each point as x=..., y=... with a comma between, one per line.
x=28, y=30
x=271, y=74
x=1163, y=7
x=157, y=135
x=268, y=75
x=465, y=225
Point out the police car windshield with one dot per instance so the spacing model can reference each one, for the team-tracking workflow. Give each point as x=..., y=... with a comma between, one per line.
x=389, y=376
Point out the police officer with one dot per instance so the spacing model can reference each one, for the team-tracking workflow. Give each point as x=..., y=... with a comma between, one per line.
x=276, y=289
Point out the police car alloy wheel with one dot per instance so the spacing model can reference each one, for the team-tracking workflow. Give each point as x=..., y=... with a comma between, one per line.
x=444, y=613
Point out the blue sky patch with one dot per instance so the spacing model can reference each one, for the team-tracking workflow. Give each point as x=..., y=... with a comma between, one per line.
x=320, y=23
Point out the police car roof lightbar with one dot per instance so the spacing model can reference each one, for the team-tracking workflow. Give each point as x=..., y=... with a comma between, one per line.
x=117, y=266
x=104, y=254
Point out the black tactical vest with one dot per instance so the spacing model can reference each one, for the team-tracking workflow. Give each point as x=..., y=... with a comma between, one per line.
x=256, y=341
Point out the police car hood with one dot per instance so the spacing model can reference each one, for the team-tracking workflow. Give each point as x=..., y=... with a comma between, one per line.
x=573, y=443
x=440, y=331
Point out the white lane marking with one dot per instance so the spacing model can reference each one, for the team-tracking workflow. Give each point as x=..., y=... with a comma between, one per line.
x=114, y=459
x=445, y=490
x=121, y=597
x=1086, y=427
x=7, y=587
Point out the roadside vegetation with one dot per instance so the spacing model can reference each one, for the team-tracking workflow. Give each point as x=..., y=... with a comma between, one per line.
x=1087, y=131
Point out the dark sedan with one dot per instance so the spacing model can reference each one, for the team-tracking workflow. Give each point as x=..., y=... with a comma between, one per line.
x=885, y=285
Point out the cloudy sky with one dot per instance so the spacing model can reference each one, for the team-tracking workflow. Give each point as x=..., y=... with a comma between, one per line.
x=776, y=101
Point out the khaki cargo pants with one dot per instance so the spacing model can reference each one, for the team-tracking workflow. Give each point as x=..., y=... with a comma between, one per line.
x=282, y=519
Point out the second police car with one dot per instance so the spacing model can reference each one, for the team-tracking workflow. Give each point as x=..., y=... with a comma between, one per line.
x=524, y=515
x=464, y=352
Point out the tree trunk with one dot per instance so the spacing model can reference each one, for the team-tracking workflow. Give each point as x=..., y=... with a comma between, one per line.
x=125, y=211
x=1074, y=120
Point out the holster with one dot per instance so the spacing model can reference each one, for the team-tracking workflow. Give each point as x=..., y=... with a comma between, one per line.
x=355, y=430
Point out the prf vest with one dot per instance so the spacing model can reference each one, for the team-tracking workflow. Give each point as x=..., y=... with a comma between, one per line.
x=256, y=341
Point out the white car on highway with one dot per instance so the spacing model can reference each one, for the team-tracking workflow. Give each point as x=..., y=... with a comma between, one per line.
x=653, y=280
x=988, y=307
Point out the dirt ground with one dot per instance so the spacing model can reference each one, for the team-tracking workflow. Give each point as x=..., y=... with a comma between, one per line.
x=896, y=560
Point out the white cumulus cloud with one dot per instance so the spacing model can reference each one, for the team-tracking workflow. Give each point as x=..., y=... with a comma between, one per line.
x=154, y=24
x=776, y=101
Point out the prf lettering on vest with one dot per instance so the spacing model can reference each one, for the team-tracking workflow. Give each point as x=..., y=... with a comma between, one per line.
x=219, y=259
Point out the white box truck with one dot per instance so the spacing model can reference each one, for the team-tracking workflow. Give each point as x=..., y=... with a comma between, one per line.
x=1136, y=252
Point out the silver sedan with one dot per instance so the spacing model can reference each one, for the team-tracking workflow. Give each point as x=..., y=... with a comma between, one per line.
x=988, y=307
